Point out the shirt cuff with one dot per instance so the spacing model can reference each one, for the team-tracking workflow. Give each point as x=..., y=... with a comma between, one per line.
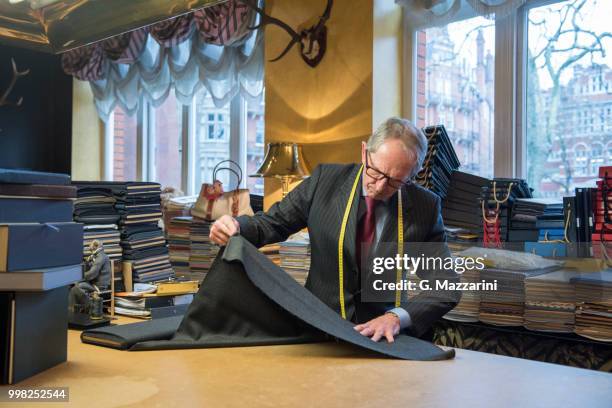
x=403, y=315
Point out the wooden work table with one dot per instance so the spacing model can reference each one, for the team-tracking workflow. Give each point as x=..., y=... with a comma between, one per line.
x=317, y=375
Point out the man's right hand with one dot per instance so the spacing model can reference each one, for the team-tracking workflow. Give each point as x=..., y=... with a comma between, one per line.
x=223, y=229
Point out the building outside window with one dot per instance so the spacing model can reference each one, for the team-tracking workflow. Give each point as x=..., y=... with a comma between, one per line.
x=458, y=86
x=150, y=145
x=568, y=69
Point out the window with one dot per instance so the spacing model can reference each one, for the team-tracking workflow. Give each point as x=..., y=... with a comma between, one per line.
x=563, y=49
x=255, y=146
x=459, y=74
x=165, y=136
x=211, y=140
x=539, y=114
x=179, y=145
x=124, y=147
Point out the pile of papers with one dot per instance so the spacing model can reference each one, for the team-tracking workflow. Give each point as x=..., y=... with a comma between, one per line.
x=141, y=303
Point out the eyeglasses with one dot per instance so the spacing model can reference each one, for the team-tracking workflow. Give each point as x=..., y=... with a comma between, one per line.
x=379, y=175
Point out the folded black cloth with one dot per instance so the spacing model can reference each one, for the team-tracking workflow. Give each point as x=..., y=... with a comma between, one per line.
x=136, y=229
x=136, y=254
x=246, y=300
x=97, y=219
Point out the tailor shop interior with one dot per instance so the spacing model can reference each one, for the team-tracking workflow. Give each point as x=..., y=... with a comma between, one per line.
x=126, y=135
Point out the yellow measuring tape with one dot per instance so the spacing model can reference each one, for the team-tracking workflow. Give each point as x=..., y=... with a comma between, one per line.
x=400, y=242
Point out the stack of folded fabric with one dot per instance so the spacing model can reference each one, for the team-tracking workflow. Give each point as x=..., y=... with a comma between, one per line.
x=594, y=305
x=179, y=245
x=550, y=301
x=440, y=161
x=532, y=217
x=295, y=256
x=468, y=308
x=144, y=247
x=496, y=201
x=95, y=204
x=601, y=235
x=95, y=207
x=143, y=241
x=176, y=207
x=460, y=207
x=203, y=251
x=138, y=202
x=108, y=235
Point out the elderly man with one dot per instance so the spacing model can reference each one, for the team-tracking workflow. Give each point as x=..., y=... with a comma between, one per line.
x=353, y=211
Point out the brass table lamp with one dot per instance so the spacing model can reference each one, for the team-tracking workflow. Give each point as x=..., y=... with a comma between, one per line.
x=284, y=161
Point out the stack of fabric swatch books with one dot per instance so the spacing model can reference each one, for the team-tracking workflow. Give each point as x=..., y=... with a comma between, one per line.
x=461, y=208
x=496, y=202
x=505, y=272
x=179, y=245
x=440, y=161
x=594, y=305
x=202, y=250
x=550, y=301
x=536, y=219
x=95, y=208
x=295, y=256
x=143, y=241
x=176, y=207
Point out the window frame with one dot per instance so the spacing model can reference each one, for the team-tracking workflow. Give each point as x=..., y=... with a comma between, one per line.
x=509, y=153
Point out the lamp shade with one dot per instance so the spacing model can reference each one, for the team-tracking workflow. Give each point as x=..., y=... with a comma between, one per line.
x=283, y=160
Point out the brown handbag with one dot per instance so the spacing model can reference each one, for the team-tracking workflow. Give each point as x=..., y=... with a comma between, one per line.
x=213, y=202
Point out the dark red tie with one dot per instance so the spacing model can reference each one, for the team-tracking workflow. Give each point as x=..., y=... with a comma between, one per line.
x=366, y=229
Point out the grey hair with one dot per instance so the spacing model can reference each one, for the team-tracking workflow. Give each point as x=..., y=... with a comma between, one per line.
x=404, y=130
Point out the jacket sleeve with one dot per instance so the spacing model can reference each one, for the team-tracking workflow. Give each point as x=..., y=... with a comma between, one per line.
x=429, y=306
x=284, y=218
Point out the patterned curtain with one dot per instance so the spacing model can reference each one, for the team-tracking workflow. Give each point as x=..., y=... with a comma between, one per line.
x=212, y=48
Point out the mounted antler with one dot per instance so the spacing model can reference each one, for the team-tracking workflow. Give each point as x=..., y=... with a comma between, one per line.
x=16, y=76
x=312, y=40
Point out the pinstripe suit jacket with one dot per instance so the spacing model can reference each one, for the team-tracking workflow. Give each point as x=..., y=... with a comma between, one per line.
x=319, y=203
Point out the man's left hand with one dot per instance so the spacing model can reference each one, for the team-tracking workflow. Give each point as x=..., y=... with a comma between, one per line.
x=387, y=325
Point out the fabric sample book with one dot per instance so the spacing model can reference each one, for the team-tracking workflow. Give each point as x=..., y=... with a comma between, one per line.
x=246, y=300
